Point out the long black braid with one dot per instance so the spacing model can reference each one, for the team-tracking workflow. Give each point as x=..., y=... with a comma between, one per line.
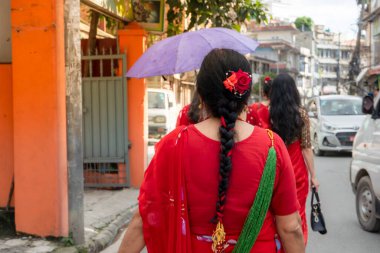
x=222, y=103
x=227, y=133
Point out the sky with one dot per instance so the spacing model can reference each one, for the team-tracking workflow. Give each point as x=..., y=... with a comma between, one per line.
x=339, y=16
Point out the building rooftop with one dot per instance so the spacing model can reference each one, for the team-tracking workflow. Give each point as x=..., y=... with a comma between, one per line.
x=274, y=27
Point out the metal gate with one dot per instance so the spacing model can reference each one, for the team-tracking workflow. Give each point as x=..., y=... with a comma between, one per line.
x=105, y=132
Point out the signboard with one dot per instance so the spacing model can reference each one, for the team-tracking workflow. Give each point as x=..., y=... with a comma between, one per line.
x=150, y=14
x=5, y=32
x=117, y=9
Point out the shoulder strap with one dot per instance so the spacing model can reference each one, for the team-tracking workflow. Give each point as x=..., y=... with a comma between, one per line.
x=260, y=206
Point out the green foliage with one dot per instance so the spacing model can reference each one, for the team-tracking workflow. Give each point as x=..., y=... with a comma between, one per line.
x=175, y=16
x=215, y=13
x=304, y=24
x=67, y=241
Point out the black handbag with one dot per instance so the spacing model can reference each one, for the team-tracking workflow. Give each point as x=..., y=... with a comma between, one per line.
x=316, y=218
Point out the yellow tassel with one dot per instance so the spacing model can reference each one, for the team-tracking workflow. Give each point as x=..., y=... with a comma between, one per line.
x=218, y=238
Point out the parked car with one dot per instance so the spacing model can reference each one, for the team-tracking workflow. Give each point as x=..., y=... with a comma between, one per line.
x=365, y=169
x=334, y=121
x=162, y=113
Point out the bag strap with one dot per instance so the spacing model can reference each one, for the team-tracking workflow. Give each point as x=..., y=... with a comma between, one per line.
x=260, y=206
x=314, y=193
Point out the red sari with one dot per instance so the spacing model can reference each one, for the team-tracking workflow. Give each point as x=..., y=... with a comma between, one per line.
x=177, y=198
x=302, y=181
x=183, y=118
x=258, y=115
x=300, y=170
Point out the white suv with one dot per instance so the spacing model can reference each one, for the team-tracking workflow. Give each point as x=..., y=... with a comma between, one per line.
x=162, y=113
x=365, y=168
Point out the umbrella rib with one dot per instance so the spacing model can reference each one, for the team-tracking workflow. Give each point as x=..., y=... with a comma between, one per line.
x=176, y=58
x=204, y=38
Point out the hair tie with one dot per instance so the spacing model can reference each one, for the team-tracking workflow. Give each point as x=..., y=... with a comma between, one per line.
x=223, y=122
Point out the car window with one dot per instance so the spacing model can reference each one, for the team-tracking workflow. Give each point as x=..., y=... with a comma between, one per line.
x=341, y=107
x=156, y=100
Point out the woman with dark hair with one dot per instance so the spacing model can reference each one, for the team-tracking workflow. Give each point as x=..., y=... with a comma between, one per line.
x=290, y=121
x=192, y=113
x=221, y=185
x=259, y=110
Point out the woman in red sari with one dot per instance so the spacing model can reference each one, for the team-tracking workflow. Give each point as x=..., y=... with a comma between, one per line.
x=205, y=179
x=290, y=121
x=260, y=110
x=192, y=113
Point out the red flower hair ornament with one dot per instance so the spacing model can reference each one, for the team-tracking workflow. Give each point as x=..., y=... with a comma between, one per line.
x=238, y=82
x=267, y=79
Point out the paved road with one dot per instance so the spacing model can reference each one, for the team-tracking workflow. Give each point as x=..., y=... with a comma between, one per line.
x=338, y=206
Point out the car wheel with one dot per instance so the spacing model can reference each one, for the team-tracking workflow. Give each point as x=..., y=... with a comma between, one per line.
x=366, y=206
x=316, y=149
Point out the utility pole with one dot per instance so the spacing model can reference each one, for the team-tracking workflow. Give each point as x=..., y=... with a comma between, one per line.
x=279, y=54
x=354, y=67
x=74, y=119
x=338, y=66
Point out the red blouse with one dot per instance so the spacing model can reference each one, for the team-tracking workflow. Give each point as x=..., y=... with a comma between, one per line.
x=183, y=119
x=248, y=159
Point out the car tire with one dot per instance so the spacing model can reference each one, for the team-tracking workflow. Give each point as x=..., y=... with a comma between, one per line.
x=366, y=206
x=316, y=149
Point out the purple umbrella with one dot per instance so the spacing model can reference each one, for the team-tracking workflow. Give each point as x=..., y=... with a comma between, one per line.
x=185, y=52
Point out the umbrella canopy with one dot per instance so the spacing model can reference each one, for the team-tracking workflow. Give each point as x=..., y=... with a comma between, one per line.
x=185, y=52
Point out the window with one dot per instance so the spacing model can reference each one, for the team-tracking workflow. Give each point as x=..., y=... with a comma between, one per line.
x=156, y=100
x=341, y=107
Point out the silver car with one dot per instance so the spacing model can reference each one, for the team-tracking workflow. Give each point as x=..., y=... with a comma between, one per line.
x=365, y=170
x=334, y=121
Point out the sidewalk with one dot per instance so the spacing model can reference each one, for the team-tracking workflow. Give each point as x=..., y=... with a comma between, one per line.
x=106, y=213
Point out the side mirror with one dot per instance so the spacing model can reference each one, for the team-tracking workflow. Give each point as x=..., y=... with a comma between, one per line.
x=367, y=105
x=312, y=115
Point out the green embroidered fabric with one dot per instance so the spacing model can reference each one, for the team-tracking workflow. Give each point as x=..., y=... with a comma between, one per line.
x=257, y=213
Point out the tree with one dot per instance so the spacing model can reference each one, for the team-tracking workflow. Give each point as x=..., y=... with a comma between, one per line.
x=304, y=24
x=222, y=13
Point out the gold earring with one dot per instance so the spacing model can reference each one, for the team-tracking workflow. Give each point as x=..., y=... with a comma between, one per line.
x=200, y=106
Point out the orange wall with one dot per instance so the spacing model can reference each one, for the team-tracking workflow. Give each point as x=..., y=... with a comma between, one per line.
x=132, y=41
x=40, y=157
x=6, y=132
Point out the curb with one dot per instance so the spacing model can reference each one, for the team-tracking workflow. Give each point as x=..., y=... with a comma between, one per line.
x=107, y=235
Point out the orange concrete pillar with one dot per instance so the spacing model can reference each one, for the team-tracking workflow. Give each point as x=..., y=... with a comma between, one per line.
x=6, y=132
x=132, y=41
x=40, y=153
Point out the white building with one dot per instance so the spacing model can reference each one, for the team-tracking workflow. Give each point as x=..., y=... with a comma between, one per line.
x=333, y=57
